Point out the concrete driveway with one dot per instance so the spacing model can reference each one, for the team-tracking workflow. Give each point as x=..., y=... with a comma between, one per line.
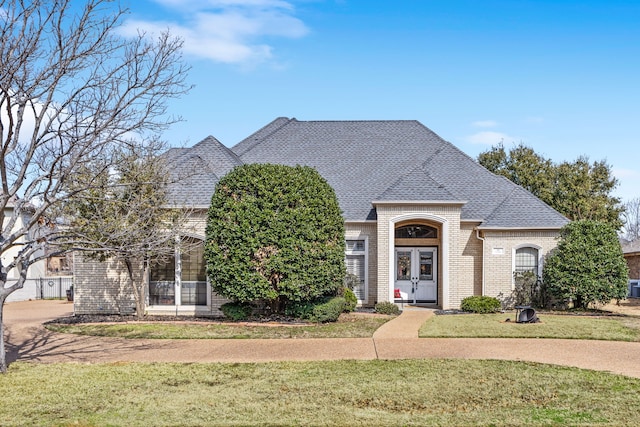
x=28, y=340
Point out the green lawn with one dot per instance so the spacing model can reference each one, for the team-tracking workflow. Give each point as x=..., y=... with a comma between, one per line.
x=614, y=328
x=354, y=325
x=343, y=393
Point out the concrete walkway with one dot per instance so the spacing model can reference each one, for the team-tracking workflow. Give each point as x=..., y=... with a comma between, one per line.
x=398, y=339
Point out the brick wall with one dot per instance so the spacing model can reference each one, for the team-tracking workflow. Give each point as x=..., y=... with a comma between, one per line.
x=499, y=256
x=633, y=261
x=451, y=265
x=101, y=287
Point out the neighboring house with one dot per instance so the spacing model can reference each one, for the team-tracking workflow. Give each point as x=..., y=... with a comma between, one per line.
x=36, y=270
x=631, y=251
x=425, y=223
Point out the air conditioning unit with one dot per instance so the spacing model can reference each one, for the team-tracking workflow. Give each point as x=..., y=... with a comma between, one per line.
x=634, y=288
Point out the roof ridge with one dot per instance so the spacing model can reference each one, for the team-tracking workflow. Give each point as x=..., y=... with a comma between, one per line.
x=499, y=205
x=359, y=121
x=412, y=170
x=255, y=138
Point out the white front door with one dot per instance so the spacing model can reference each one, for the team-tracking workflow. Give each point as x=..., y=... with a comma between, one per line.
x=416, y=275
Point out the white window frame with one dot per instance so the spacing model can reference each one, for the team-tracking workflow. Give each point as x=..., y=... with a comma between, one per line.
x=366, y=261
x=178, y=307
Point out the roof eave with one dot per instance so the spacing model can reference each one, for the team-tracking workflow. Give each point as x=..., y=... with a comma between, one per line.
x=499, y=228
x=419, y=202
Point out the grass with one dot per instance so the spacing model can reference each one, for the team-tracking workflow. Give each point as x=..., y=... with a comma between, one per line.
x=342, y=393
x=354, y=325
x=612, y=328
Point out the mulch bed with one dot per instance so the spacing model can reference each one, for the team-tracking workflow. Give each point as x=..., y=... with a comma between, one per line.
x=116, y=318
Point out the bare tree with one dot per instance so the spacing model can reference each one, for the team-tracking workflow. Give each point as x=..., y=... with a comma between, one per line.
x=72, y=93
x=128, y=215
x=631, y=220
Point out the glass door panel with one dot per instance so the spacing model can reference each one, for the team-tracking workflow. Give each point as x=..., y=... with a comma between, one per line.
x=426, y=265
x=403, y=265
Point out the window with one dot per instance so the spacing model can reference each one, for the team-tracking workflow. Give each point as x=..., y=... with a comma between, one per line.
x=162, y=282
x=526, y=260
x=194, y=276
x=416, y=232
x=191, y=283
x=356, y=262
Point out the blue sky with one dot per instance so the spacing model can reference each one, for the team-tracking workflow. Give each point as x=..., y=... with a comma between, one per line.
x=559, y=76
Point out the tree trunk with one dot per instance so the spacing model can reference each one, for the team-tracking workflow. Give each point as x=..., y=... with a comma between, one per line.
x=138, y=293
x=3, y=297
x=3, y=353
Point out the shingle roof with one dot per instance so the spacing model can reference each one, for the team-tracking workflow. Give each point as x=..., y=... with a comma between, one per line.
x=369, y=161
x=197, y=170
x=630, y=247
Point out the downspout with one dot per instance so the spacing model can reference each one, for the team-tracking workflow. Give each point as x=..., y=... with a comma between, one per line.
x=483, y=252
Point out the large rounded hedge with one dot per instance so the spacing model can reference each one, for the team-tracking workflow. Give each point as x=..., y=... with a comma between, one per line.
x=274, y=235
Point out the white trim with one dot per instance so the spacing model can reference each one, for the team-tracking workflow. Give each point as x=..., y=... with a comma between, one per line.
x=416, y=252
x=178, y=307
x=484, y=249
x=360, y=236
x=419, y=202
x=484, y=228
x=444, y=241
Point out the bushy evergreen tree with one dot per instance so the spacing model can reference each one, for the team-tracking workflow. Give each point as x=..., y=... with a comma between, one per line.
x=587, y=266
x=275, y=235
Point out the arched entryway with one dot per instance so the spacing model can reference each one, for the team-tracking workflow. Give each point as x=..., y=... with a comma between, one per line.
x=416, y=262
x=418, y=259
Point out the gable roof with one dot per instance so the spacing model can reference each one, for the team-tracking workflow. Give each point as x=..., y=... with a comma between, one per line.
x=396, y=160
x=197, y=170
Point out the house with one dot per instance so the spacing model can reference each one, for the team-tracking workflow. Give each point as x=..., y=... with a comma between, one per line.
x=631, y=252
x=13, y=222
x=425, y=223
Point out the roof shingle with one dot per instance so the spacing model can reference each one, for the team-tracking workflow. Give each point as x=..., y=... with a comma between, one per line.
x=386, y=160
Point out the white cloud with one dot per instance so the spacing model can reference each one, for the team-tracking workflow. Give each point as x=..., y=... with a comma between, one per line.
x=485, y=123
x=228, y=31
x=489, y=138
x=204, y=4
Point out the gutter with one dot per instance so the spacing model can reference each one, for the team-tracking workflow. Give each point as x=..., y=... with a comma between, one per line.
x=483, y=255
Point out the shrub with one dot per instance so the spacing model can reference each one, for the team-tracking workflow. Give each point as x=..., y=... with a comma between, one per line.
x=351, y=300
x=275, y=234
x=587, y=266
x=480, y=304
x=328, y=311
x=236, y=311
x=387, y=308
x=527, y=290
x=300, y=310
